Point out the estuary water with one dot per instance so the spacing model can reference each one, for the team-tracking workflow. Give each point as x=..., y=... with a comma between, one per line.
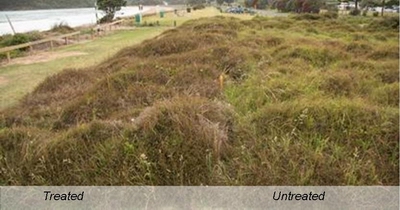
x=42, y=20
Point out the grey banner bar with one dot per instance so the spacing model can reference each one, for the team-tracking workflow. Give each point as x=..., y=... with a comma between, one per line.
x=376, y=197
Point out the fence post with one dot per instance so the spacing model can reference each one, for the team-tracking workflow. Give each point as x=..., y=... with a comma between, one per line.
x=31, y=49
x=8, y=57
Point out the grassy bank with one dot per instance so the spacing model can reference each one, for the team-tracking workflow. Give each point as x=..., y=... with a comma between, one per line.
x=20, y=79
x=306, y=100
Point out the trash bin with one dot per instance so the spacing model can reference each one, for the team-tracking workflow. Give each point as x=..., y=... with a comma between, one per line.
x=138, y=18
x=188, y=10
x=161, y=14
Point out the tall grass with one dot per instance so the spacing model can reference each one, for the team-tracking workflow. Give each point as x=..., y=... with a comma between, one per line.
x=61, y=27
x=301, y=104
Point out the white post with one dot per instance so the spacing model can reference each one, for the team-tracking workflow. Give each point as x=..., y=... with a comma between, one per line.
x=12, y=27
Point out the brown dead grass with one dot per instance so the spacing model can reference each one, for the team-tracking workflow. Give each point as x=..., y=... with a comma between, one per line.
x=302, y=104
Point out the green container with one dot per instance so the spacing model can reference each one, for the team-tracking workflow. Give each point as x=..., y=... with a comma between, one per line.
x=161, y=14
x=138, y=18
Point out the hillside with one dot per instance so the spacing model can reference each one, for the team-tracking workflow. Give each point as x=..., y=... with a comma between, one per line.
x=44, y=4
x=306, y=100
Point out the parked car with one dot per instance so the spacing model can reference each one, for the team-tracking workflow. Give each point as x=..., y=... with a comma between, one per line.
x=236, y=10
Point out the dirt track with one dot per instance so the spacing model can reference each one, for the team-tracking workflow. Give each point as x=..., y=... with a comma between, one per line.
x=42, y=57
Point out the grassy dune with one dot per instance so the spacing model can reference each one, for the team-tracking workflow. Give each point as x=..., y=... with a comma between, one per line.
x=306, y=100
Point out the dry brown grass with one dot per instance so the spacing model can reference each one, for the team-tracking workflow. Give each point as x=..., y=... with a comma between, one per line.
x=307, y=100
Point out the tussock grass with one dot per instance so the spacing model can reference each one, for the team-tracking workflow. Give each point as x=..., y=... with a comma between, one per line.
x=306, y=100
x=62, y=27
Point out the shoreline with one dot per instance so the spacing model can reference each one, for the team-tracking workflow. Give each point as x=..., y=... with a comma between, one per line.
x=88, y=7
x=37, y=20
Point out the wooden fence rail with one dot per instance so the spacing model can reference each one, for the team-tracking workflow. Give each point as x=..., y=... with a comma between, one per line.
x=107, y=26
x=111, y=24
x=8, y=50
x=31, y=44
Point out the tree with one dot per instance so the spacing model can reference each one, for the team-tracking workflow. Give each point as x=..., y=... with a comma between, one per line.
x=110, y=7
x=383, y=7
x=369, y=3
x=299, y=6
x=258, y=4
x=196, y=2
x=262, y=4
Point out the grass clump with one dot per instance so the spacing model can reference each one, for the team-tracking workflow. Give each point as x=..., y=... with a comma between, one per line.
x=316, y=57
x=218, y=101
x=385, y=23
x=62, y=28
x=339, y=83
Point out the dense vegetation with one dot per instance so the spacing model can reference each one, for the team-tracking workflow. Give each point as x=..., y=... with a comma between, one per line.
x=110, y=7
x=10, y=40
x=306, y=100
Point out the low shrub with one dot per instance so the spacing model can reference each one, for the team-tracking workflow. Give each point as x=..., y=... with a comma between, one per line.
x=198, y=7
x=384, y=24
x=62, y=27
x=308, y=16
x=364, y=13
x=16, y=40
x=355, y=12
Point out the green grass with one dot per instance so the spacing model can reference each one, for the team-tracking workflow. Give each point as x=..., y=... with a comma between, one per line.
x=306, y=100
x=22, y=79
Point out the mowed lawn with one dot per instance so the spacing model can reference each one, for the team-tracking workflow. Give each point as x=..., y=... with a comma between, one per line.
x=19, y=79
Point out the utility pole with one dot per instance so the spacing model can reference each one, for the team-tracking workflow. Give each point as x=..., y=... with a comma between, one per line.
x=383, y=7
x=9, y=22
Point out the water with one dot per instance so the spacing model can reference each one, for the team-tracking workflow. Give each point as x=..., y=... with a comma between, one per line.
x=42, y=20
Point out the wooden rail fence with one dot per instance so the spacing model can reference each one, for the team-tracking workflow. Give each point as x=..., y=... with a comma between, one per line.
x=104, y=27
x=98, y=29
x=8, y=50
